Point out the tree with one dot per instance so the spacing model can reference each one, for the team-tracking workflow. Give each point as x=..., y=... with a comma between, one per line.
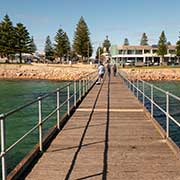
x=106, y=44
x=169, y=43
x=32, y=46
x=178, y=49
x=49, y=51
x=162, y=47
x=82, y=44
x=126, y=42
x=7, y=37
x=99, y=51
x=62, y=44
x=144, y=40
x=23, y=40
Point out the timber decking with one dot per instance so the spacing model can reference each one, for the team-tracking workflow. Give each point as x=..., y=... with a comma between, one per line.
x=108, y=137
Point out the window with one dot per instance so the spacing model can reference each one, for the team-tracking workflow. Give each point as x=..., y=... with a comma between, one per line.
x=154, y=51
x=172, y=51
x=130, y=52
x=138, y=52
x=146, y=51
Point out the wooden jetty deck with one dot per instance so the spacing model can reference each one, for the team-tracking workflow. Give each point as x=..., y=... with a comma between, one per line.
x=108, y=137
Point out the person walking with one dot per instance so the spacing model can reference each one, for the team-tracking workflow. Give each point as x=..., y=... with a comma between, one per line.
x=109, y=69
x=101, y=72
x=114, y=69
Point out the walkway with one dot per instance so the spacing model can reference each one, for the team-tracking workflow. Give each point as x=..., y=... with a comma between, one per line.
x=108, y=137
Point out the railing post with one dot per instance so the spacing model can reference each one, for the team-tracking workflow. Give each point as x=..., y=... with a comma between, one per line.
x=86, y=85
x=167, y=114
x=80, y=89
x=40, y=124
x=68, y=102
x=3, y=146
x=83, y=87
x=143, y=93
x=58, y=109
x=152, y=100
x=133, y=87
x=75, y=93
x=137, y=88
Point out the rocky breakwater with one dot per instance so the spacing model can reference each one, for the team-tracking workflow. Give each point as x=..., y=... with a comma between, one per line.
x=42, y=71
x=153, y=74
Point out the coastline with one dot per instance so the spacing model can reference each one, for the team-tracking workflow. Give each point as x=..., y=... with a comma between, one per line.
x=171, y=74
x=77, y=71
x=45, y=71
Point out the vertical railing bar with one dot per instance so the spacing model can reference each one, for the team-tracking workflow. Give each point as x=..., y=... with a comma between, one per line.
x=137, y=92
x=58, y=108
x=80, y=89
x=83, y=87
x=143, y=94
x=152, y=100
x=68, y=100
x=40, y=123
x=86, y=85
x=75, y=93
x=167, y=114
x=3, y=146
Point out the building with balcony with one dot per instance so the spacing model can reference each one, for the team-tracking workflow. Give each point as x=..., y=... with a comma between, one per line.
x=141, y=54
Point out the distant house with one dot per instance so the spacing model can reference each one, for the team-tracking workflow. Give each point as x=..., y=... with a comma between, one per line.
x=141, y=54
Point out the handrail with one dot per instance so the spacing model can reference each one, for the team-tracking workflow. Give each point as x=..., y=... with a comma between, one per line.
x=32, y=102
x=132, y=86
x=79, y=89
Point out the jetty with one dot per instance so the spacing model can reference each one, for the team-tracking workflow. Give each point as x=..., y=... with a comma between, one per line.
x=110, y=136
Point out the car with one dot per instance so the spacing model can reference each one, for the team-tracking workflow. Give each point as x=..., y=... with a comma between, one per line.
x=129, y=63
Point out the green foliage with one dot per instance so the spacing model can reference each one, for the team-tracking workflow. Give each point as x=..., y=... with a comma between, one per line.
x=99, y=51
x=49, y=51
x=82, y=44
x=178, y=48
x=144, y=40
x=62, y=44
x=7, y=37
x=22, y=40
x=32, y=46
x=169, y=43
x=106, y=44
x=162, y=45
x=14, y=39
x=126, y=42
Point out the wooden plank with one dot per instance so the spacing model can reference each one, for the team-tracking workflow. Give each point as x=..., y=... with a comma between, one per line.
x=108, y=137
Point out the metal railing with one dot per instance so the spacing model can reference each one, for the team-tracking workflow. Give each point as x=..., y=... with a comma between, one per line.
x=144, y=90
x=80, y=88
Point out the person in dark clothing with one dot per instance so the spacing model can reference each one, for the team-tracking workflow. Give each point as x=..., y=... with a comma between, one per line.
x=114, y=69
x=109, y=69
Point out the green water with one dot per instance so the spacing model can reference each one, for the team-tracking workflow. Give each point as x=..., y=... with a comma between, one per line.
x=14, y=93
x=174, y=106
x=171, y=86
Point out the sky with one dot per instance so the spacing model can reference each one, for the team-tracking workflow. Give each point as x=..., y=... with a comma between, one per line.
x=119, y=19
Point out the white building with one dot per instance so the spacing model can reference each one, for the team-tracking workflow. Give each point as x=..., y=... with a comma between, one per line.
x=141, y=54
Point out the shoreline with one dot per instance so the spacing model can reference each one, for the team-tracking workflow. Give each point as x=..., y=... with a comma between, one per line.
x=45, y=72
x=60, y=72
x=169, y=74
